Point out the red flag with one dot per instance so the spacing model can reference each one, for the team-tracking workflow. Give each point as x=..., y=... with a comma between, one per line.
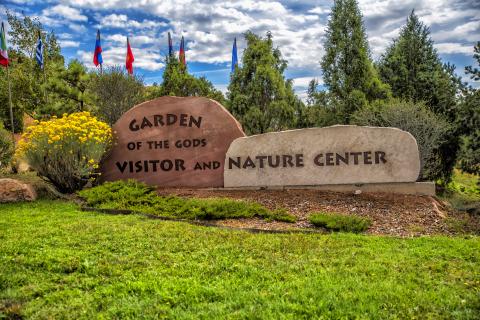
x=181, y=54
x=130, y=59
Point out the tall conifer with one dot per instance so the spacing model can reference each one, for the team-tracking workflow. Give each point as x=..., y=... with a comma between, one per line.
x=260, y=97
x=348, y=72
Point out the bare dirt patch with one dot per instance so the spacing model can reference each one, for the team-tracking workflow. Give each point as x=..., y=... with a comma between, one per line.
x=391, y=214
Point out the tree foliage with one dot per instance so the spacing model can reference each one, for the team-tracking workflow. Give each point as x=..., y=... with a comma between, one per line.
x=468, y=121
x=259, y=96
x=348, y=72
x=177, y=81
x=27, y=79
x=70, y=85
x=430, y=130
x=36, y=92
x=115, y=92
x=473, y=71
x=414, y=71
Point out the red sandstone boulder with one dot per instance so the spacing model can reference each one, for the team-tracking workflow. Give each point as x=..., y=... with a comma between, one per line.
x=172, y=142
x=12, y=190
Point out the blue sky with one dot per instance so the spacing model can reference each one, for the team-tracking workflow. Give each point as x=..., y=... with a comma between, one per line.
x=298, y=29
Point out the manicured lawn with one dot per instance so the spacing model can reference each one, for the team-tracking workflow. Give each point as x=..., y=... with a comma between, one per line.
x=57, y=262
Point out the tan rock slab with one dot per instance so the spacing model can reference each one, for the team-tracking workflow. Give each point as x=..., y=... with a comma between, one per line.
x=172, y=142
x=323, y=156
x=12, y=190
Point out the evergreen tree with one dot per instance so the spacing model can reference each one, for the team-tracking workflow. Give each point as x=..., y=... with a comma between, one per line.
x=414, y=71
x=473, y=71
x=259, y=96
x=71, y=87
x=468, y=120
x=348, y=72
x=178, y=82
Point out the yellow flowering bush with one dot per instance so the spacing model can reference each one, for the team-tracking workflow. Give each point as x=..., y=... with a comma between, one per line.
x=66, y=151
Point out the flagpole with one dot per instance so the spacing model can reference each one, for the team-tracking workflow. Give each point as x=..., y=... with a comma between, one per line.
x=101, y=69
x=10, y=102
x=45, y=85
x=44, y=77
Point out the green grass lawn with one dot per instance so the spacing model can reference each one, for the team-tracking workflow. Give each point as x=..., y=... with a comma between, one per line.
x=58, y=262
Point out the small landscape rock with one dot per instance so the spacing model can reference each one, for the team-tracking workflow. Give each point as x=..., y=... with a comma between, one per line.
x=12, y=190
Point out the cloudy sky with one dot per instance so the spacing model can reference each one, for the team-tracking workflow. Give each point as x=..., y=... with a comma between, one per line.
x=209, y=28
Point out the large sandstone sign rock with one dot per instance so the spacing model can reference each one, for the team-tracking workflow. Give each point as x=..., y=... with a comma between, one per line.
x=318, y=156
x=172, y=141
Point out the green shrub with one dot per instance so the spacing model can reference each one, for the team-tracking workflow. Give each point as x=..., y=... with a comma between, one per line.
x=6, y=147
x=432, y=133
x=66, y=151
x=138, y=197
x=339, y=222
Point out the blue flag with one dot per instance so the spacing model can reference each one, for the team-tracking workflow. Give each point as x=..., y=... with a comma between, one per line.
x=234, y=55
x=170, y=45
x=39, y=52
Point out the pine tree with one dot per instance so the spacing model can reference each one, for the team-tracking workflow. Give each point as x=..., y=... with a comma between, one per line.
x=473, y=71
x=468, y=120
x=259, y=96
x=348, y=72
x=414, y=71
x=177, y=81
x=71, y=87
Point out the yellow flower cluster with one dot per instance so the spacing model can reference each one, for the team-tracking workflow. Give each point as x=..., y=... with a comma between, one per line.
x=80, y=127
x=74, y=143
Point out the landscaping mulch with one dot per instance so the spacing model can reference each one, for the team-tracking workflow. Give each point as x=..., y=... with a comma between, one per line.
x=391, y=214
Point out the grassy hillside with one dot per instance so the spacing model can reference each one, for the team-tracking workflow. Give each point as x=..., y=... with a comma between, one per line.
x=58, y=262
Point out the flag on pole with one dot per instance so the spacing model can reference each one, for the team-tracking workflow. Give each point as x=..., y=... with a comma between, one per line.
x=39, y=51
x=170, y=45
x=4, y=62
x=181, y=55
x=3, y=48
x=234, y=55
x=130, y=59
x=97, y=55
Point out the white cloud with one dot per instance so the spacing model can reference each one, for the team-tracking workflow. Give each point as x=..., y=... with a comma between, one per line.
x=66, y=12
x=69, y=43
x=319, y=10
x=210, y=26
x=122, y=21
x=303, y=82
x=453, y=47
x=468, y=31
x=78, y=28
x=298, y=27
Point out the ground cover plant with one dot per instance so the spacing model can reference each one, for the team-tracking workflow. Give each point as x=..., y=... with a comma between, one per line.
x=340, y=222
x=138, y=197
x=58, y=262
x=463, y=192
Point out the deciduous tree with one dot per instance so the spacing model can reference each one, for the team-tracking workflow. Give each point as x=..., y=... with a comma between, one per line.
x=114, y=92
